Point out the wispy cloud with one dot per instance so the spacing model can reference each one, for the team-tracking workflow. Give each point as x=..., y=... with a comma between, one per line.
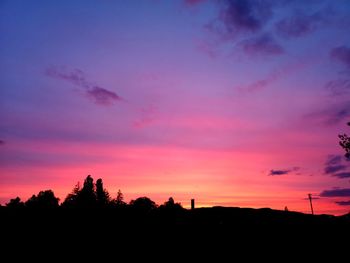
x=335, y=164
x=341, y=54
x=49, y=159
x=240, y=18
x=278, y=172
x=275, y=172
x=102, y=96
x=147, y=116
x=264, y=44
x=2, y=142
x=342, y=175
x=331, y=115
x=246, y=16
x=340, y=115
x=334, y=168
x=99, y=95
x=75, y=76
x=343, y=202
x=207, y=48
x=342, y=192
x=274, y=76
x=299, y=24
x=333, y=159
x=193, y=2
x=338, y=87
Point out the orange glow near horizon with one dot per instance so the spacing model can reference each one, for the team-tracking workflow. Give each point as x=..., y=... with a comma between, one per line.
x=213, y=178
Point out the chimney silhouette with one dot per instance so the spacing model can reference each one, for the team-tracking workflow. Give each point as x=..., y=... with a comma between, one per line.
x=192, y=204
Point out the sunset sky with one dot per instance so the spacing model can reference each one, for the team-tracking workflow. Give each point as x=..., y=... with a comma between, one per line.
x=230, y=102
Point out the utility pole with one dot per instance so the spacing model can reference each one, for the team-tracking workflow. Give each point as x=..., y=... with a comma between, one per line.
x=192, y=204
x=310, y=198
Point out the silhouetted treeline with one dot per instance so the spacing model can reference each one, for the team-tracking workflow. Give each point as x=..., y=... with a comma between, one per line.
x=92, y=204
x=91, y=196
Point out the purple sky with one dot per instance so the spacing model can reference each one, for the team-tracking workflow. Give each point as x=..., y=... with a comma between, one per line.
x=230, y=102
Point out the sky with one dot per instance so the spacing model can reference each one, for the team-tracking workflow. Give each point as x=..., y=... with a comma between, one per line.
x=231, y=102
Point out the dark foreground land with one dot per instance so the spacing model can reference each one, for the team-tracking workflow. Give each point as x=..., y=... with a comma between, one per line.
x=220, y=220
x=220, y=233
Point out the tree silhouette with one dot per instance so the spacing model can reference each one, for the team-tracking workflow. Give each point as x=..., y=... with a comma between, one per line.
x=171, y=207
x=170, y=204
x=102, y=195
x=15, y=203
x=87, y=196
x=143, y=204
x=44, y=200
x=84, y=197
x=119, y=201
x=345, y=143
x=72, y=198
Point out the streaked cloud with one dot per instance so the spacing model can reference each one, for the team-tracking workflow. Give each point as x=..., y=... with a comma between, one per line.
x=331, y=114
x=334, y=168
x=345, y=203
x=342, y=192
x=275, y=172
x=245, y=16
x=99, y=95
x=194, y=2
x=342, y=175
x=102, y=96
x=341, y=54
x=264, y=44
x=338, y=87
x=299, y=24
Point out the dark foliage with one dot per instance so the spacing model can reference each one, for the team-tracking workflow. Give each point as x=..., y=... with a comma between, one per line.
x=345, y=143
x=15, y=203
x=102, y=195
x=72, y=198
x=143, y=204
x=119, y=200
x=91, y=208
x=44, y=200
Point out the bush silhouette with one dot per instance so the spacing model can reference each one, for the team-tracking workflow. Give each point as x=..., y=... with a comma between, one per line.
x=170, y=205
x=44, y=200
x=15, y=203
x=143, y=204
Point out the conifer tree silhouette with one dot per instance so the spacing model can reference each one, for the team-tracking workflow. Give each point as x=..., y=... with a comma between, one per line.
x=102, y=195
x=119, y=201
